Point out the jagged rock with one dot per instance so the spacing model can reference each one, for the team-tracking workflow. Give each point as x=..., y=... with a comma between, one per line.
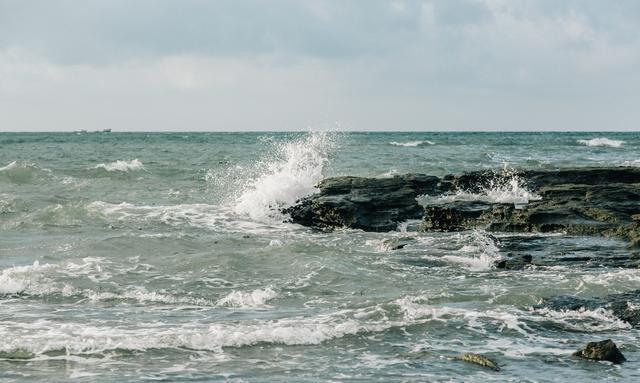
x=605, y=350
x=371, y=204
x=480, y=360
x=580, y=201
x=625, y=306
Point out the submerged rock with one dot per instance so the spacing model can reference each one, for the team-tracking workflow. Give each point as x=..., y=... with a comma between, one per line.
x=480, y=360
x=605, y=350
x=624, y=306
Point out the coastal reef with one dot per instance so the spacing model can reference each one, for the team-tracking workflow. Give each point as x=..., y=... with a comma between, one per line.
x=602, y=201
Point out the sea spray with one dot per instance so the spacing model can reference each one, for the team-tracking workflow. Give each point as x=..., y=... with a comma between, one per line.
x=505, y=187
x=288, y=174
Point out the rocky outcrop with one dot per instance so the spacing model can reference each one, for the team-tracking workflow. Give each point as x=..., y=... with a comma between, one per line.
x=605, y=350
x=480, y=360
x=370, y=204
x=580, y=201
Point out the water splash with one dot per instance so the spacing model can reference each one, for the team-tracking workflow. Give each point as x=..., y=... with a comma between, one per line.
x=505, y=187
x=287, y=175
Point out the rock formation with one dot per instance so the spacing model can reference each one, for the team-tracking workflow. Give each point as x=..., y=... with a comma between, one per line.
x=579, y=201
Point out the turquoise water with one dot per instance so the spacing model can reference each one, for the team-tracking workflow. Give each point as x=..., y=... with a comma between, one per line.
x=130, y=257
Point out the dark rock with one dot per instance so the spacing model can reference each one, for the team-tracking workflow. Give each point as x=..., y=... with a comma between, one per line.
x=480, y=360
x=515, y=262
x=580, y=201
x=605, y=350
x=371, y=204
x=397, y=243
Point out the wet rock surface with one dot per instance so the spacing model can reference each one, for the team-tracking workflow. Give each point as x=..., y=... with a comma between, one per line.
x=605, y=350
x=580, y=201
x=370, y=204
x=480, y=360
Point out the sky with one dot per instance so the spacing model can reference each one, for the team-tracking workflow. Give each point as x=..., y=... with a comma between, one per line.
x=427, y=65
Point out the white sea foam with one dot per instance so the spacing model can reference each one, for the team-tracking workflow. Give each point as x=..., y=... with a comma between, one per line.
x=24, y=279
x=202, y=215
x=584, y=320
x=412, y=144
x=292, y=174
x=634, y=163
x=78, y=338
x=141, y=295
x=501, y=190
x=602, y=141
x=251, y=299
x=478, y=254
x=121, y=166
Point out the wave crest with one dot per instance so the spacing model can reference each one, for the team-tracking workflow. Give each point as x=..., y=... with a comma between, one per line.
x=412, y=144
x=602, y=141
x=121, y=166
x=252, y=299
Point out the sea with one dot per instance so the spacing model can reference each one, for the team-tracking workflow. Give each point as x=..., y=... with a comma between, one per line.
x=133, y=257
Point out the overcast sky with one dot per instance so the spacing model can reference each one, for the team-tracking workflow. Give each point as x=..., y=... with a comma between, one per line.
x=290, y=65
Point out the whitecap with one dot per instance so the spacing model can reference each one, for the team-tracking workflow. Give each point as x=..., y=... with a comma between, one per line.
x=634, y=163
x=10, y=166
x=247, y=299
x=121, y=166
x=24, y=279
x=602, y=141
x=412, y=144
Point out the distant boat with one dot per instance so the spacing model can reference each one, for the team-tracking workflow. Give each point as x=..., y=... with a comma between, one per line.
x=108, y=130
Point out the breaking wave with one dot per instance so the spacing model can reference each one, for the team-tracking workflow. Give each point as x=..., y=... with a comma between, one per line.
x=290, y=174
x=251, y=299
x=602, y=141
x=23, y=172
x=121, y=166
x=412, y=144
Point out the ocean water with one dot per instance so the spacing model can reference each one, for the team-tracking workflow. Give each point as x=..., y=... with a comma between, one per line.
x=129, y=257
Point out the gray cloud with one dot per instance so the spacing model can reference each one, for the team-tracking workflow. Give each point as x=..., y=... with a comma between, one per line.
x=441, y=64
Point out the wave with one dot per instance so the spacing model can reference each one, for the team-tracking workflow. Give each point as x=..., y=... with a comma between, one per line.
x=199, y=215
x=412, y=144
x=633, y=163
x=291, y=174
x=52, y=337
x=252, y=299
x=24, y=279
x=23, y=172
x=602, y=141
x=121, y=166
x=38, y=280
